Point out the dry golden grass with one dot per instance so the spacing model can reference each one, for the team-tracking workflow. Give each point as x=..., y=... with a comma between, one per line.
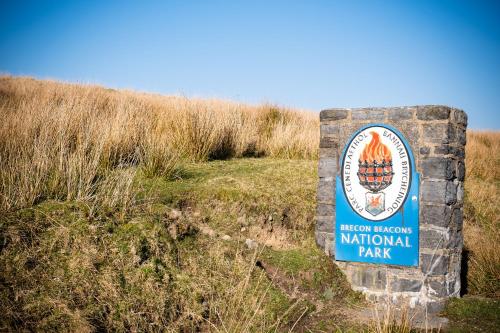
x=62, y=140
x=482, y=213
x=86, y=265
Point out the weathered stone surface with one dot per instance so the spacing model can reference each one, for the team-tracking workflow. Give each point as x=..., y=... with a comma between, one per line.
x=333, y=114
x=438, y=215
x=326, y=192
x=433, y=112
x=324, y=223
x=368, y=114
x=402, y=284
x=329, y=129
x=321, y=237
x=437, y=288
x=457, y=218
x=327, y=167
x=372, y=278
x=457, y=240
x=438, y=168
x=439, y=191
x=460, y=192
x=434, y=239
x=328, y=142
x=461, y=136
x=325, y=209
x=460, y=117
x=438, y=133
x=425, y=151
x=434, y=264
x=458, y=151
x=411, y=133
x=442, y=150
x=328, y=153
x=400, y=113
x=460, y=170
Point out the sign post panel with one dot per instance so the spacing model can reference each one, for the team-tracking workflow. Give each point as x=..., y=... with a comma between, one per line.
x=377, y=199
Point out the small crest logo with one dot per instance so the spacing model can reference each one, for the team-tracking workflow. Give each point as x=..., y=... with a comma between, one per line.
x=376, y=173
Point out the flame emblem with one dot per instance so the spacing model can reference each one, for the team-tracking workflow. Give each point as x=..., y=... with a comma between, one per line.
x=375, y=165
x=375, y=151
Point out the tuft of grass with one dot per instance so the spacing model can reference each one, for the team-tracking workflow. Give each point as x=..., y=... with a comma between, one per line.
x=482, y=214
x=61, y=141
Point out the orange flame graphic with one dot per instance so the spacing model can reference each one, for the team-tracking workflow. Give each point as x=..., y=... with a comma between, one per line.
x=375, y=151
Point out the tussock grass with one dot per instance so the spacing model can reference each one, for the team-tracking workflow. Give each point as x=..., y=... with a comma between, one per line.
x=61, y=141
x=482, y=213
x=89, y=176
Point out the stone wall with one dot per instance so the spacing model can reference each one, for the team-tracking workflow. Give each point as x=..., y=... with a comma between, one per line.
x=437, y=136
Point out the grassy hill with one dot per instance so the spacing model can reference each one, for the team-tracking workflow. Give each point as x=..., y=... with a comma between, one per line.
x=134, y=212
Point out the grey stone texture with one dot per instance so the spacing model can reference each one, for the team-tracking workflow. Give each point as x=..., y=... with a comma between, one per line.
x=437, y=136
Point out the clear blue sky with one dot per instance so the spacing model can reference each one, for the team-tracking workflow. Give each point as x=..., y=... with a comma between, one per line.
x=306, y=54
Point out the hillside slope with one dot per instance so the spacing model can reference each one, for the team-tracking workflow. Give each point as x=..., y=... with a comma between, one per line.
x=134, y=212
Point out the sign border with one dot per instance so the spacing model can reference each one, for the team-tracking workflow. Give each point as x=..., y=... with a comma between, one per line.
x=407, y=149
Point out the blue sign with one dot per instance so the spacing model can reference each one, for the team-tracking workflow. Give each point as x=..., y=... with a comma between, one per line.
x=377, y=199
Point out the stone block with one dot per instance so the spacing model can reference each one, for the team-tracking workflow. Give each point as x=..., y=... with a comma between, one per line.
x=326, y=192
x=368, y=277
x=425, y=151
x=368, y=114
x=459, y=152
x=399, y=114
x=328, y=153
x=434, y=239
x=329, y=129
x=325, y=209
x=320, y=237
x=437, y=215
x=460, y=170
x=327, y=167
x=333, y=114
x=461, y=136
x=442, y=133
x=460, y=192
x=325, y=223
x=328, y=142
x=460, y=117
x=434, y=264
x=433, y=112
x=442, y=150
x=439, y=192
x=437, y=287
x=457, y=218
x=438, y=168
x=409, y=285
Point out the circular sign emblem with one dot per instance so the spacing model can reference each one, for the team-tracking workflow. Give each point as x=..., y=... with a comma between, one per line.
x=376, y=173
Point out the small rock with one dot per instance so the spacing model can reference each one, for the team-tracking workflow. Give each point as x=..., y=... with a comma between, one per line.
x=226, y=237
x=243, y=229
x=174, y=214
x=251, y=244
x=270, y=218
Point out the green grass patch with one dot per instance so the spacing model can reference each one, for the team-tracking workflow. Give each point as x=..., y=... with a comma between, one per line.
x=473, y=314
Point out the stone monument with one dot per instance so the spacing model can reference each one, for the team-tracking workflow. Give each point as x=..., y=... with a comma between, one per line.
x=390, y=201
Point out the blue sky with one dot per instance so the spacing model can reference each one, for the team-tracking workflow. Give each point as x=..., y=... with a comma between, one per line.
x=306, y=54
